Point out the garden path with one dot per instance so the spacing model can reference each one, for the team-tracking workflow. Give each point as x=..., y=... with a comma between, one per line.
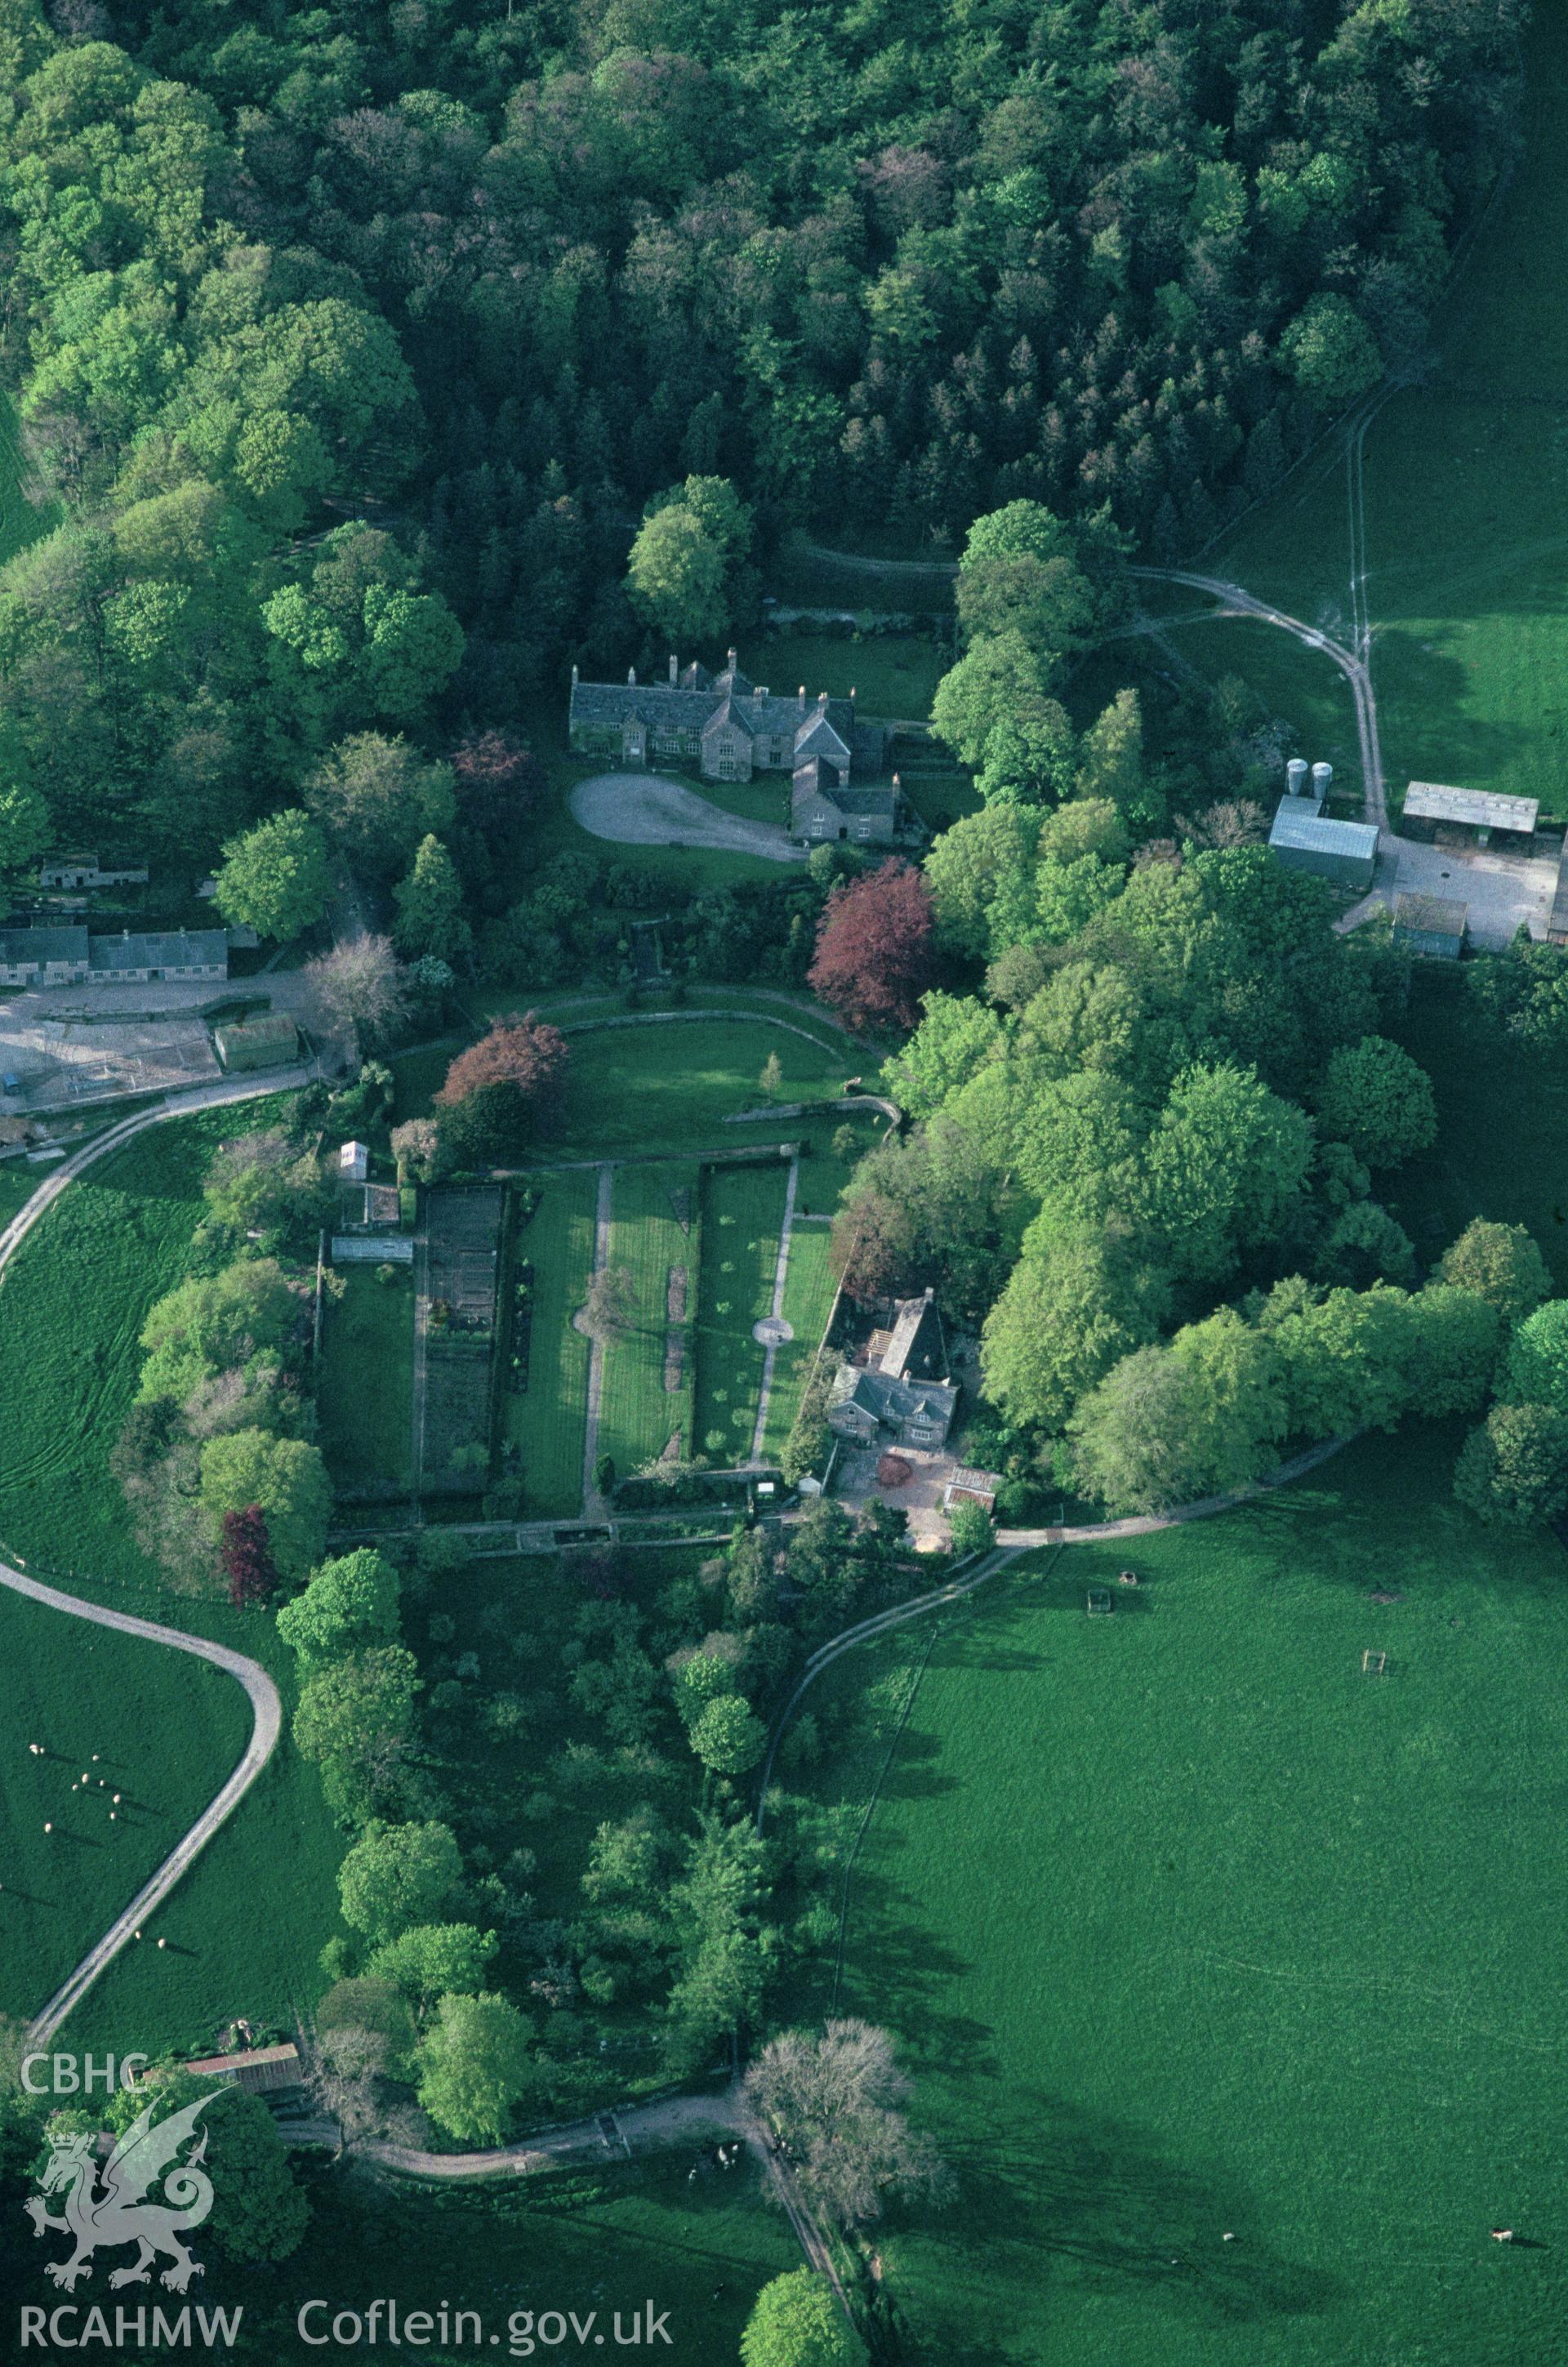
x=595, y=1504
x=769, y=1353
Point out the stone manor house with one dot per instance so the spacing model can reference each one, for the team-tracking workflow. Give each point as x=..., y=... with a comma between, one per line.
x=730, y=728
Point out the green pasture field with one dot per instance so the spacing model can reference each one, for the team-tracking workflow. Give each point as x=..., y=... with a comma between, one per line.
x=1502, y=1146
x=808, y=1301
x=664, y=1086
x=72, y=1302
x=701, y=2248
x=245, y=1925
x=1189, y=1927
x=1466, y=474
x=637, y=1416
x=546, y=1422
x=155, y=1729
x=364, y=1381
x=743, y=1213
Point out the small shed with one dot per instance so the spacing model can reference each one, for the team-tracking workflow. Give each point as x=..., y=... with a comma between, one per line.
x=353, y=1163
x=259, y=2069
x=970, y=1486
x=268, y=1041
x=1478, y=809
x=1432, y=926
x=1345, y=853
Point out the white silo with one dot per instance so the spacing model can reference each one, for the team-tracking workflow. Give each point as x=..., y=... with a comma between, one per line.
x=1320, y=776
x=1296, y=778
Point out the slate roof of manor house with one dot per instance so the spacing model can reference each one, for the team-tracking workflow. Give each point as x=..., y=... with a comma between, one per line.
x=694, y=710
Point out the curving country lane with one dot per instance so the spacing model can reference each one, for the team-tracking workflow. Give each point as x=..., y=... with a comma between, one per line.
x=1234, y=600
x=263, y=1693
x=264, y=1731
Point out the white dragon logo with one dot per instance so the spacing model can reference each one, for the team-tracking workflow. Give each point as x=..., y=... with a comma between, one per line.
x=114, y=2212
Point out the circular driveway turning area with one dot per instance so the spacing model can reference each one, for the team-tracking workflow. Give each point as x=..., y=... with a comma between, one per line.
x=643, y=809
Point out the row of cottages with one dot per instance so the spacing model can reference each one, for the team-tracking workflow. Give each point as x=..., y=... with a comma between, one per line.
x=903, y=1390
x=87, y=870
x=69, y=956
x=731, y=728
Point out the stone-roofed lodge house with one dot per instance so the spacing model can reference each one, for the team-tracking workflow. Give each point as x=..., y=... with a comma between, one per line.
x=730, y=728
x=902, y=1387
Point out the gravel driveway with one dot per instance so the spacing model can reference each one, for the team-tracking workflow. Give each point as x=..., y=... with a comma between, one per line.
x=642, y=809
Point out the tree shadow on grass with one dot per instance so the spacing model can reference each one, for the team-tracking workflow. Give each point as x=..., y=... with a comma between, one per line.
x=1045, y=2191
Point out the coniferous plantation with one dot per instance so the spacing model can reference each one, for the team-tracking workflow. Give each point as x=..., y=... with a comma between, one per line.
x=783, y=1470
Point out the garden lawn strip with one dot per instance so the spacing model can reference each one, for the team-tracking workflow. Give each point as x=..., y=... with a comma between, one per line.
x=809, y=1288
x=742, y=1211
x=639, y=1416
x=364, y=1383
x=546, y=1422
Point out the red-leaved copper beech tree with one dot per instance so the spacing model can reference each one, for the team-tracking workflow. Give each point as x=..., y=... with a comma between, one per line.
x=499, y=1092
x=875, y=956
